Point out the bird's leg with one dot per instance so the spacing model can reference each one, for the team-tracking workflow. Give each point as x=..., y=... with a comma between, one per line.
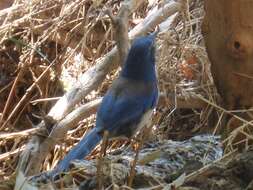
x=144, y=133
x=133, y=165
x=100, y=160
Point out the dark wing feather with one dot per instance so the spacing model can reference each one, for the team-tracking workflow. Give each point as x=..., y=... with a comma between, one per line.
x=124, y=104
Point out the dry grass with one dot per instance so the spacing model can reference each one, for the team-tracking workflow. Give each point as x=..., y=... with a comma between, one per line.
x=44, y=41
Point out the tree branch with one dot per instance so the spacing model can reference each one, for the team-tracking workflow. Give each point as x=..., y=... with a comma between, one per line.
x=38, y=147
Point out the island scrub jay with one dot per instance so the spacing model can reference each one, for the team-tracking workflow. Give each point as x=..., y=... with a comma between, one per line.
x=127, y=104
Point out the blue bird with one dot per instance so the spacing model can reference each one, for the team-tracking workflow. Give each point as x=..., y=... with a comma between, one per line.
x=127, y=105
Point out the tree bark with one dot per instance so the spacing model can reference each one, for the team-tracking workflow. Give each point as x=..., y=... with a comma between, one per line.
x=228, y=32
x=5, y=4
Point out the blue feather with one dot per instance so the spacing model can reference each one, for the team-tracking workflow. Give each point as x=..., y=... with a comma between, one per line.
x=133, y=94
x=124, y=105
x=82, y=149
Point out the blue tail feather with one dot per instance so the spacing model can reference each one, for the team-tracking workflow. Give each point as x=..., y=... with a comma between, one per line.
x=82, y=149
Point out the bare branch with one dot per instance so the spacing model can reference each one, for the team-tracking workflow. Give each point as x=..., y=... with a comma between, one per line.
x=34, y=154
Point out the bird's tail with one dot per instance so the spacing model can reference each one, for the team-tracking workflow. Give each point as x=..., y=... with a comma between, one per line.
x=82, y=149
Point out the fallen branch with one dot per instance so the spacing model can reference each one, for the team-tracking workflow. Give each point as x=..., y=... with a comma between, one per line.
x=38, y=154
x=88, y=82
x=91, y=79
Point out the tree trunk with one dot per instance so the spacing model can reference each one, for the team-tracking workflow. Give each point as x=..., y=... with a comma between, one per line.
x=228, y=32
x=5, y=4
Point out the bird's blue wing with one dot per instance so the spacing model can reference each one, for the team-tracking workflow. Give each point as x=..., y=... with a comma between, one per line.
x=124, y=105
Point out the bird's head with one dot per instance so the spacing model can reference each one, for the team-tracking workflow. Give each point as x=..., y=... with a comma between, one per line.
x=140, y=62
